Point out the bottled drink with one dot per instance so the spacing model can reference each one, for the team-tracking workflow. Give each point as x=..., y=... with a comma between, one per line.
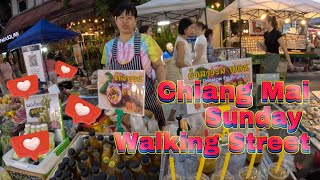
x=106, y=155
x=80, y=168
x=58, y=174
x=95, y=163
x=112, y=177
x=153, y=173
x=111, y=140
x=27, y=129
x=84, y=175
x=102, y=176
x=121, y=167
x=95, y=171
x=33, y=129
x=145, y=162
x=72, y=166
x=44, y=127
x=100, y=142
x=89, y=151
x=62, y=166
x=129, y=157
x=156, y=160
x=96, y=156
x=127, y=175
x=136, y=168
x=111, y=169
x=38, y=128
x=66, y=174
x=72, y=153
x=65, y=160
x=141, y=177
x=85, y=159
x=93, y=140
x=85, y=141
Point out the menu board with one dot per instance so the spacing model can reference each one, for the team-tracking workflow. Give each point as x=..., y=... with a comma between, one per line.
x=296, y=41
x=123, y=90
x=44, y=108
x=256, y=27
x=233, y=72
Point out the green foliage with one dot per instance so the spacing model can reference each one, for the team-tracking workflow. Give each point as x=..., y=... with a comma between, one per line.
x=165, y=37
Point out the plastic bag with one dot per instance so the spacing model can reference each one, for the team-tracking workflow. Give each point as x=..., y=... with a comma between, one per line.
x=137, y=124
x=282, y=67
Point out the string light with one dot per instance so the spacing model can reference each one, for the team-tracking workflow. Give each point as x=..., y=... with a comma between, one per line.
x=212, y=6
x=217, y=4
x=263, y=16
x=78, y=22
x=287, y=21
x=90, y=20
x=96, y=21
x=303, y=22
x=84, y=21
x=101, y=32
x=102, y=19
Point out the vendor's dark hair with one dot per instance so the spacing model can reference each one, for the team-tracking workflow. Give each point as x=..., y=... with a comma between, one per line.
x=128, y=7
x=7, y=58
x=51, y=55
x=208, y=33
x=184, y=24
x=273, y=21
x=201, y=25
x=144, y=29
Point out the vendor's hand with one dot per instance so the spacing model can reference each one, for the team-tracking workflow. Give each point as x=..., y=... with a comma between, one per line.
x=291, y=66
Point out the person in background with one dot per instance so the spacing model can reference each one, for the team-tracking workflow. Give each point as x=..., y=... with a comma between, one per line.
x=182, y=57
x=135, y=51
x=272, y=41
x=3, y=85
x=146, y=30
x=200, y=45
x=169, y=53
x=14, y=66
x=210, y=50
x=50, y=64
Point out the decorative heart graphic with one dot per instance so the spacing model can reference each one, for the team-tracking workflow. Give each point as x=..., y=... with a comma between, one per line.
x=24, y=86
x=82, y=110
x=31, y=144
x=65, y=69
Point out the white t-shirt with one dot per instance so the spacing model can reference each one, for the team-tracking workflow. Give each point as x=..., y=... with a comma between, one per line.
x=203, y=41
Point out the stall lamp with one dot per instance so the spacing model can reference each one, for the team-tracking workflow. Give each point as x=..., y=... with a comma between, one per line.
x=84, y=21
x=163, y=23
x=217, y=4
x=44, y=49
x=102, y=19
x=96, y=21
x=287, y=21
x=212, y=6
x=234, y=20
x=78, y=22
x=159, y=30
x=101, y=32
x=96, y=32
x=89, y=19
x=263, y=16
x=303, y=22
x=318, y=33
x=90, y=29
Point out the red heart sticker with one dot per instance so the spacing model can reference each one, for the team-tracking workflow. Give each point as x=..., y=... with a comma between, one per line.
x=31, y=145
x=65, y=70
x=25, y=86
x=81, y=111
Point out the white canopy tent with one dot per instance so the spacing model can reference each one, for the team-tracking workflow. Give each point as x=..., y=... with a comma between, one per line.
x=173, y=10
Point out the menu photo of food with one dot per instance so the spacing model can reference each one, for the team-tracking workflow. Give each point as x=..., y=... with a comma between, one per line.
x=256, y=27
x=122, y=90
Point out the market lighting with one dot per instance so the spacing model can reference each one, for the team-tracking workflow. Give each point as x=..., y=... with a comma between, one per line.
x=217, y=4
x=89, y=19
x=84, y=21
x=303, y=22
x=78, y=22
x=234, y=20
x=212, y=6
x=318, y=33
x=163, y=23
x=102, y=19
x=101, y=32
x=96, y=21
x=287, y=21
x=263, y=16
x=44, y=49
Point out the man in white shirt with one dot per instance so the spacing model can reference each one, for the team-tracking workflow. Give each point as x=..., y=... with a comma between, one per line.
x=200, y=46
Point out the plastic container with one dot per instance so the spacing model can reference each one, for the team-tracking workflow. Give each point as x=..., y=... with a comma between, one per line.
x=203, y=177
x=45, y=165
x=282, y=174
x=255, y=174
x=168, y=177
x=216, y=176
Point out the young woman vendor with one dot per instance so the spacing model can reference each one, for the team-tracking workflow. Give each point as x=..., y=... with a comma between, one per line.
x=272, y=41
x=135, y=51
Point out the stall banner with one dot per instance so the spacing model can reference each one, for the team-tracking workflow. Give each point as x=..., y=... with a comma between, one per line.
x=44, y=108
x=256, y=27
x=33, y=60
x=123, y=90
x=77, y=52
x=232, y=72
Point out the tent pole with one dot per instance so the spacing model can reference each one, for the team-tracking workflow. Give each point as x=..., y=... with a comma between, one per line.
x=240, y=27
x=205, y=16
